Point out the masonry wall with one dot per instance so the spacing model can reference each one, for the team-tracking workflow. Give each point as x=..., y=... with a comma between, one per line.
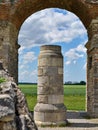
x=92, y=69
x=9, y=48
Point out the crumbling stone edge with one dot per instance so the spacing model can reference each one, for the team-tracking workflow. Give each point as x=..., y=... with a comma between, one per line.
x=14, y=112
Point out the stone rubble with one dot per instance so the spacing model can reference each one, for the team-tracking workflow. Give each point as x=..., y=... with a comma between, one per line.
x=14, y=112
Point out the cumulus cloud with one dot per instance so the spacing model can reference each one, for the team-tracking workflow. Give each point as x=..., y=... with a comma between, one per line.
x=50, y=26
x=29, y=57
x=28, y=76
x=26, y=59
x=68, y=62
x=74, y=54
x=81, y=48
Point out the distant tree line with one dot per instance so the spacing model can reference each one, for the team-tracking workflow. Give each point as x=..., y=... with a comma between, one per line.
x=27, y=83
x=66, y=83
x=75, y=83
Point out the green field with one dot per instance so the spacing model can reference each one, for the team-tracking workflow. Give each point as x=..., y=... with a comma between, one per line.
x=74, y=96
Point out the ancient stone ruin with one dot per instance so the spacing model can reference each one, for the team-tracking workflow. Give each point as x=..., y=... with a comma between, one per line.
x=14, y=113
x=50, y=109
x=12, y=15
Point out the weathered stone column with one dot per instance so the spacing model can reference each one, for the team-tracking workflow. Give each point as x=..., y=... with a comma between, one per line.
x=92, y=69
x=9, y=48
x=50, y=109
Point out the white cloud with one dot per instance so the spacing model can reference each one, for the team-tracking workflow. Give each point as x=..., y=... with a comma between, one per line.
x=28, y=76
x=74, y=54
x=81, y=48
x=84, y=67
x=68, y=62
x=34, y=73
x=50, y=26
x=29, y=57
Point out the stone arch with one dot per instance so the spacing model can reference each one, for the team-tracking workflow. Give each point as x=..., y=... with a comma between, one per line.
x=12, y=15
x=27, y=7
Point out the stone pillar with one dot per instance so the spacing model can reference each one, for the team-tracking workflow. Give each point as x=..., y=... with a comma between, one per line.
x=92, y=69
x=9, y=48
x=50, y=109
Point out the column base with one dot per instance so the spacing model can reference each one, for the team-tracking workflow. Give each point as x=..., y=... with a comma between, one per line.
x=50, y=114
x=51, y=124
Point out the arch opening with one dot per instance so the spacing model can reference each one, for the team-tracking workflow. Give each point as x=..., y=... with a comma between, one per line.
x=16, y=13
x=53, y=26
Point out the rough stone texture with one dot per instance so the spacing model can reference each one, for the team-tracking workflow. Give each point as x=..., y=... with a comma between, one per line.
x=92, y=1
x=92, y=70
x=50, y=109
x=19, y=10
x=14, y=12
x=9, y=48
x=14, y=113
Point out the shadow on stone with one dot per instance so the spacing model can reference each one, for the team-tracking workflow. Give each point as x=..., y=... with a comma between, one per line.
x=81, y=120
x=83, y=125
x=77, y=115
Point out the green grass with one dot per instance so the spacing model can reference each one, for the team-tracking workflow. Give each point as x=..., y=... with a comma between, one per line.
x=75, y=102
x=28, y=89
x=74, y=90
x=74, y=96
x=31, y=100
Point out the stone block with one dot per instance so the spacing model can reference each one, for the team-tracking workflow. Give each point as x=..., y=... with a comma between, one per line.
x=50, y=71
x=11, y=125
x=40, y=90
x=57, y=62
x=44, y=62
x=43, y=81
x=42, y=99
x=95, y=109
x=50, y=117
x=56, y=80
x=59, y=108
x=43, y=90
x=41, y=107
x=55, y=99
x=96, y=92
x=60, y=71
x=39, y=116
x=7, y=109
x=40, y=71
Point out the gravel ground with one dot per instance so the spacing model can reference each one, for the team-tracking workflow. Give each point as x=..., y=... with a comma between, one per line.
x=77, y=121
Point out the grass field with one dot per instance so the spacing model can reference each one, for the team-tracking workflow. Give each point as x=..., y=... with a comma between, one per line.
x=74, y=96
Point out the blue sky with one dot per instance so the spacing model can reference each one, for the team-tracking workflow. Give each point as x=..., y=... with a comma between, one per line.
x=56, y=27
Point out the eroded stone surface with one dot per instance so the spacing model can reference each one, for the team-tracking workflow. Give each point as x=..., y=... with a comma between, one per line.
x=14, y=12
x=50, y=109
x=14, y=112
